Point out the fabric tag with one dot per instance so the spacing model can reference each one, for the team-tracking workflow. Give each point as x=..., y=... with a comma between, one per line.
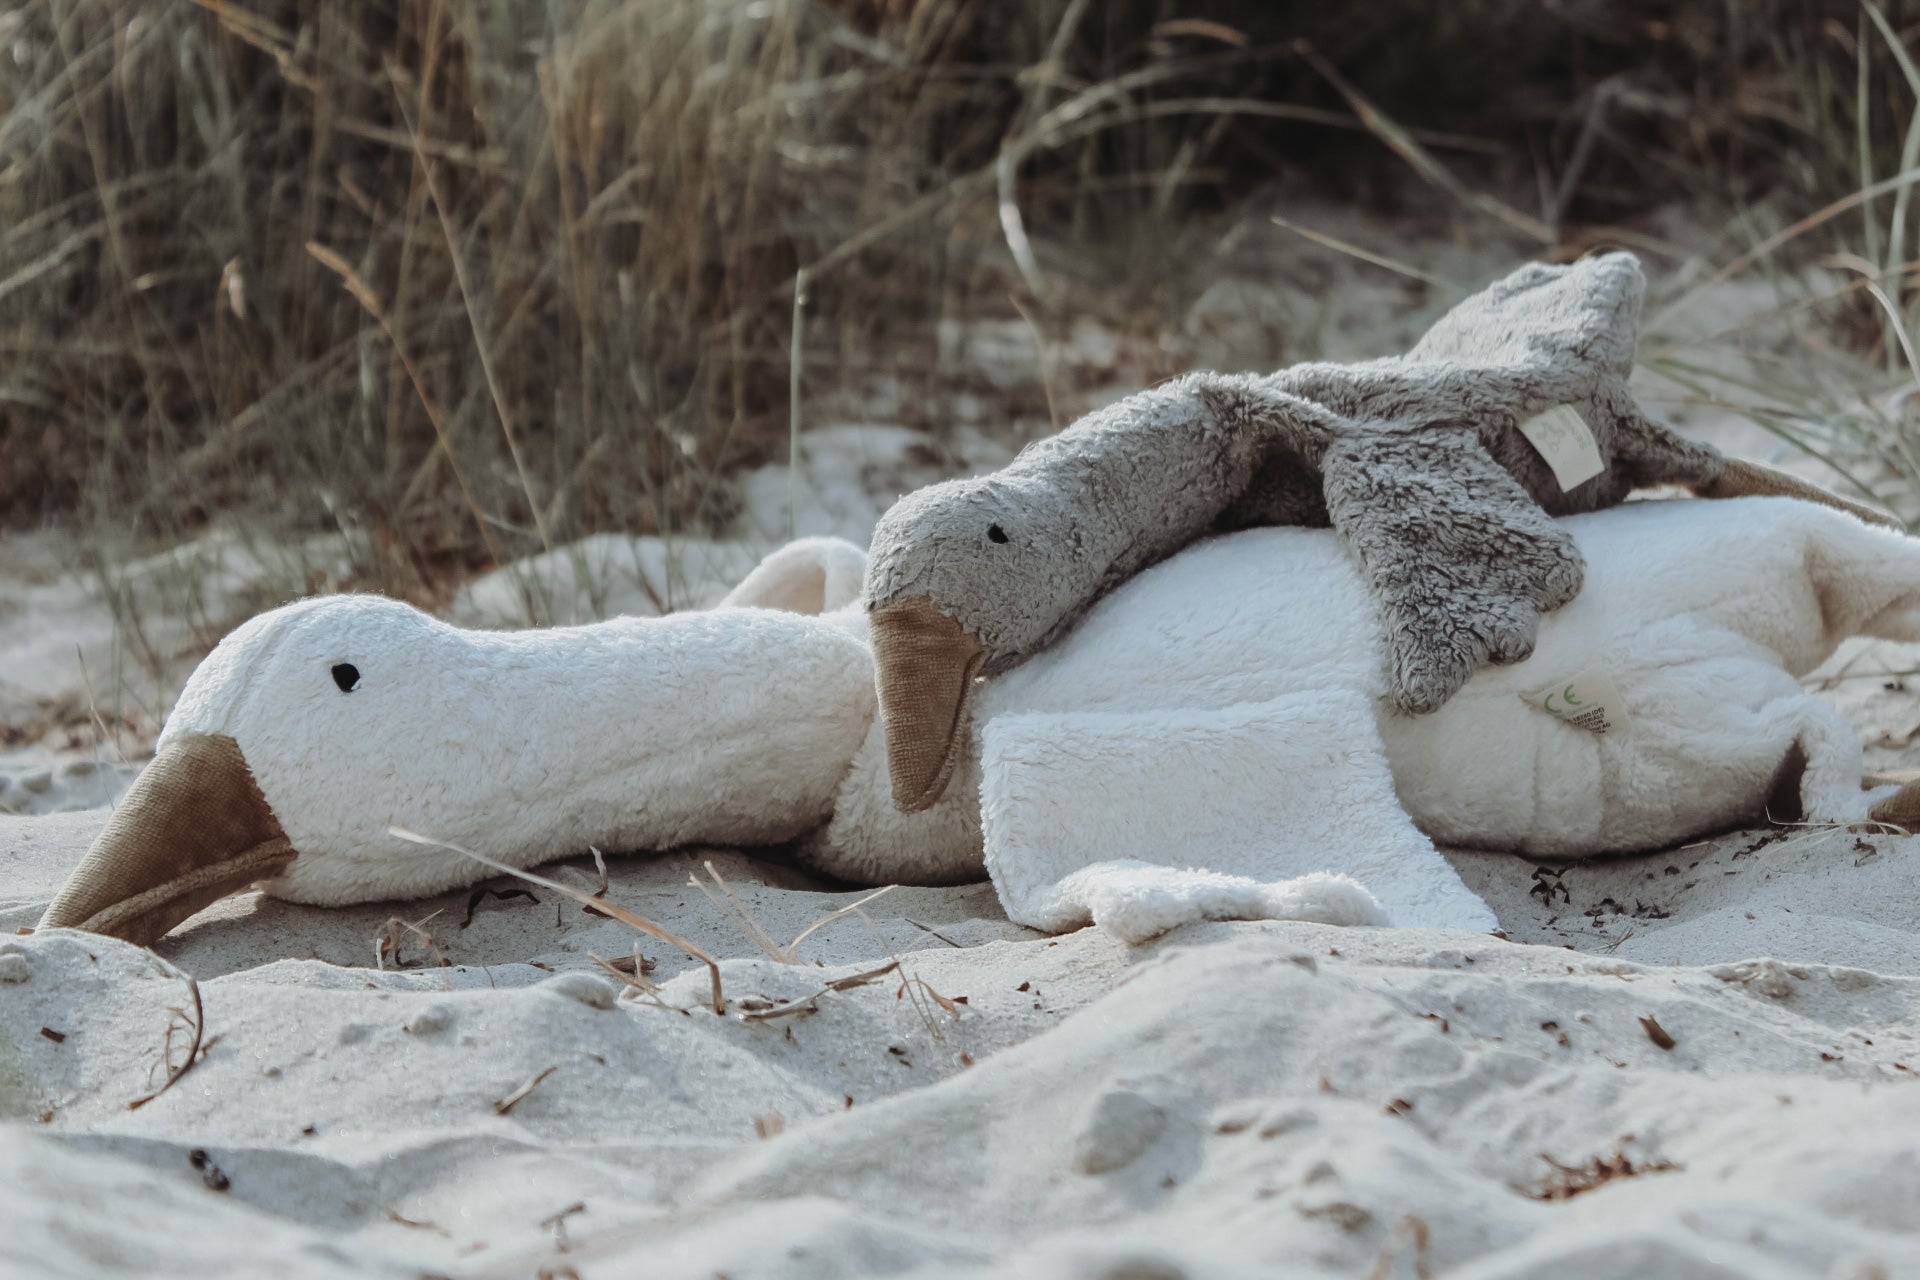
x=1562, y=438
x=1588, y=701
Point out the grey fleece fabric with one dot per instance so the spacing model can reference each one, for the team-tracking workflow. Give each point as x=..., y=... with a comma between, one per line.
x=1417, y=459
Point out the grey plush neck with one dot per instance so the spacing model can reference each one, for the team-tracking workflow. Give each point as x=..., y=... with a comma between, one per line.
x=1124, y=488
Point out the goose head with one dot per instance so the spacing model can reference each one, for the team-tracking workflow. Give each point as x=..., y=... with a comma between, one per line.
x=970, y=577
x=312, y=729
x=966, y=579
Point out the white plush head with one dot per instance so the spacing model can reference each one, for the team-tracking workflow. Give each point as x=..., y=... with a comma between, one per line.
x=312, y=729
x=358, y=712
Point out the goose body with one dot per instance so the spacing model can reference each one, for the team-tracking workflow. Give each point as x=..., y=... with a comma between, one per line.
x=1239, y=680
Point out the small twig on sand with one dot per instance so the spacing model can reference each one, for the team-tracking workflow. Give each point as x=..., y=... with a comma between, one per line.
x=649, y=991
x=731, y=905
x=196, y=1025
x=1413, y=1230
x=908, y=980
x=557, y=1223
x=514, y=1099
x=737, y=910
x=418, y=1224
x=586, y=900
x=927, y=928
x=793, y=948
x=806, y=1003
x=475, y=898
x=391, y=939
x=1570, y=1180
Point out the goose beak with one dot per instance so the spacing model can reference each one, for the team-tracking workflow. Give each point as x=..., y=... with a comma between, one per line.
x=925, y=665
x=192, y=829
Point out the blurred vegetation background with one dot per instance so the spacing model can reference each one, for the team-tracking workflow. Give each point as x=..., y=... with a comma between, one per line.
x=467, y=280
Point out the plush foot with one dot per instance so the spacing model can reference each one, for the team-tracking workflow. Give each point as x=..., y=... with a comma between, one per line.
x=1461, y=559
x=1138, y=901
x=1743, y=479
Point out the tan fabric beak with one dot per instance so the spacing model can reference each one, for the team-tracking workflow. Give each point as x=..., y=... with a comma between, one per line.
x=925, y=665
x=1902, y=808
x=192, y=829
x=1743, y=479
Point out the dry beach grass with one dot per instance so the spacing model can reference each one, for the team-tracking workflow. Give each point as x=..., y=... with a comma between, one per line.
x=458, y=283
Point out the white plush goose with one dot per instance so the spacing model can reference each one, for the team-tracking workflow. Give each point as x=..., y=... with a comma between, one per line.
x=1211, y=741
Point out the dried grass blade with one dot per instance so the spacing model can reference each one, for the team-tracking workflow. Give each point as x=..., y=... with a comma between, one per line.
x=1772, y=244
x=649, y=990
x=1403, y=144
x=806, y=1003
x=482, y=347
x=1898, y=325
x=371, y=305
x=795, y=351
x=514, y=1099
x=1863, y=134
x=950, y=1006
x=793, y=948
x=354, y=282
x=587, y=900
x=737, y=909
x=1201, y=27
x=866, y=978
x=198, y=1023
x=1364, y=255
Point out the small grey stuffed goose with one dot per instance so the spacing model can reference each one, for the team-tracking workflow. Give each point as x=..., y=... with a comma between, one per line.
x=1423, y=462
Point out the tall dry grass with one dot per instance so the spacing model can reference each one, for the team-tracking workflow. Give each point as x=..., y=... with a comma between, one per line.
x=465, y=280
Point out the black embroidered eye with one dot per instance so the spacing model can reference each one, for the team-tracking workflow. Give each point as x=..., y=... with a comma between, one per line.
x=347, y=676
x=996, y=534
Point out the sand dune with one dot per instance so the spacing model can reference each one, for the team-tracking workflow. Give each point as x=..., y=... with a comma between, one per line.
x=1234, y=1100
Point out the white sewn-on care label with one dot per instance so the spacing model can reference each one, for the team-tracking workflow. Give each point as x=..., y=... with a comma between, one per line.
x=1588, y=701
x=1562, y=437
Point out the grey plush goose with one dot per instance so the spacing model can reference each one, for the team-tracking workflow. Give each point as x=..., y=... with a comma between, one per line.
x=1419, y=461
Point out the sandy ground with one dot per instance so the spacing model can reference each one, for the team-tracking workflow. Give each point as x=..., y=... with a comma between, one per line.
x=1718, y=1081
x=1693, y=1063
x=1700, y=1062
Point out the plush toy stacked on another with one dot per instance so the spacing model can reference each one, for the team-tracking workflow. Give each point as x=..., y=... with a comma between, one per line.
x=1442, y=469
x=1232, y=706
x=1212, y=742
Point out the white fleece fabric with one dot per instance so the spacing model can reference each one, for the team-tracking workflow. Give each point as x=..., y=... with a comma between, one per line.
x=1211, y=741
x=1705, y=623
x=1109, y=748
x=1129, y=820
x=527, y=746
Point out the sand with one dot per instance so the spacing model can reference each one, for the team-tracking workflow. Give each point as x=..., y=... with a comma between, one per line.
x=1232, y=1100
